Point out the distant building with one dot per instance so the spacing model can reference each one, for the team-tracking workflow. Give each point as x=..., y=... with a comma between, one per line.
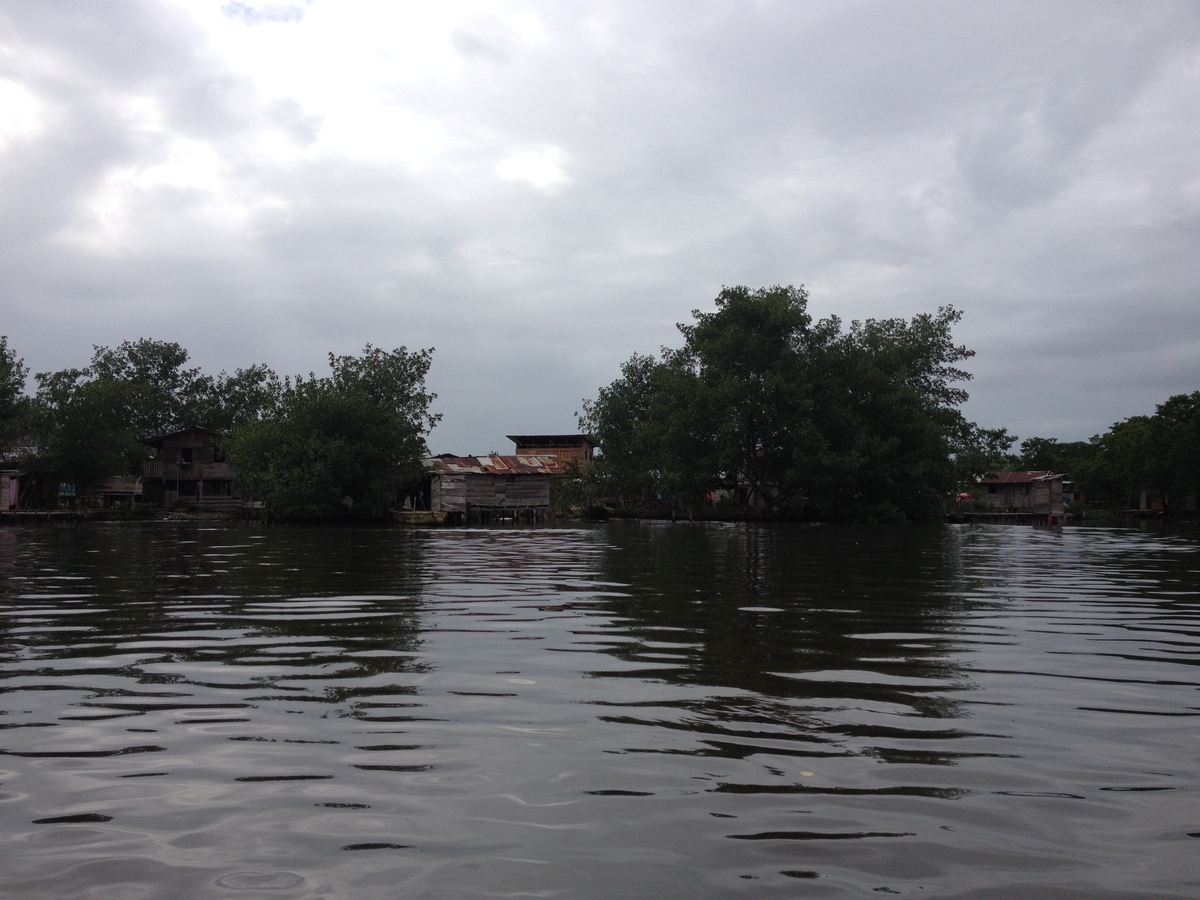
x=190, y=468
x=10, y=483
x=118, y=490
x=483, y=487
x=567, y=448
x=1036, y=493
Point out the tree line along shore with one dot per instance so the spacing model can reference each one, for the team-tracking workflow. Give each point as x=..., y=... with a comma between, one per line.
x=761, y=412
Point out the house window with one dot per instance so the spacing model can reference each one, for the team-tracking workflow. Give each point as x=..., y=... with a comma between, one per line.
x=218, y=453
x=185, y=456
x=991, y=489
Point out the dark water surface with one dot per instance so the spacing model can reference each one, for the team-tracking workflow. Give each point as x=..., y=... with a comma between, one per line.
x=617, y=711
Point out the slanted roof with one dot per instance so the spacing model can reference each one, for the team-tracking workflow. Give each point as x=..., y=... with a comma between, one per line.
x=522, y=464
x=158, y=439
x=1018, y=477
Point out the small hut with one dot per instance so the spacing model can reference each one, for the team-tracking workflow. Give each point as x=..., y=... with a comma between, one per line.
x=492, y=487
x=1030, y=493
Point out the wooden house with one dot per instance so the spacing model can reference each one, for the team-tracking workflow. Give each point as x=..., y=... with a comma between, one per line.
x=569, y=449
x=491, y=487
x=117, y=490
x=190, y=468
x=1031, y=493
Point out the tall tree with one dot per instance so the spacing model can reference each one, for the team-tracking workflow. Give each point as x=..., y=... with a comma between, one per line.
x=246, y=396
x=865, y=421
x=888, y=418
x=1051, y=455
x=84, y=432
x=752, y=388
x=345, y=443
x=13, y=402
x=624, y=419
x=1176, y=427
x=91, y=422
x=164, y=393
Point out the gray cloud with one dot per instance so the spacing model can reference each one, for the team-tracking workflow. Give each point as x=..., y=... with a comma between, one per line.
x=272, y=12
x=561, y=188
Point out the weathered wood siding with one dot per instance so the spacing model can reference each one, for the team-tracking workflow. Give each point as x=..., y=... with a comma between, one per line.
x=1042, y=497
x=508, y=491
x=190, y=468
x=448, y=493
x=470, y=492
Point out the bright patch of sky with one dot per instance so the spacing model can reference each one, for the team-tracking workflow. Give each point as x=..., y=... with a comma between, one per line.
x=539, y=189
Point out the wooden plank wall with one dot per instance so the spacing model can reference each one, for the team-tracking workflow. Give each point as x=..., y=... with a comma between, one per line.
x=508, y=492
x=448, y=493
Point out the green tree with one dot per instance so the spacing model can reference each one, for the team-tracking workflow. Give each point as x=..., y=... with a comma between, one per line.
x=90, y=423
x=1176, y=430
x=1073, y=458
x=343, y=444
x=623, y=419
x=887, y=433
x=86, y=436
x=163, y=392
x=14, y=405
x=1125, y=461
x=864, y=422
x=751, y=388
x=246, y=396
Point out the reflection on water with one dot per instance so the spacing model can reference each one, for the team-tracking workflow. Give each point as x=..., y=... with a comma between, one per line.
x=625, y=710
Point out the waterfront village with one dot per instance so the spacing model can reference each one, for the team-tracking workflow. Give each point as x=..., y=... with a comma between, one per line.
x=762, y=415
x=187, y=472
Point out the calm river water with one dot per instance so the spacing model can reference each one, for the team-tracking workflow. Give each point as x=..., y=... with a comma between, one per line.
x=624, y=710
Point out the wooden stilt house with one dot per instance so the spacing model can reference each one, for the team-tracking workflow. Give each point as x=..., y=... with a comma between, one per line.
x=492, y=487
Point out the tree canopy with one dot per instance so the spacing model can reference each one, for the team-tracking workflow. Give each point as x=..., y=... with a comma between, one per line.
x=341, y=444
x=1159, y=452
x=784, y=413
x=13, y=402
x=91, y=422
x=303, y=445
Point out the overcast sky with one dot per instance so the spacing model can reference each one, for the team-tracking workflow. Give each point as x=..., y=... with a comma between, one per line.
x=540, y=189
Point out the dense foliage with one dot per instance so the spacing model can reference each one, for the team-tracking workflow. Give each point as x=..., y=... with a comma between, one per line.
x=87, y=424
x=14, y=405
x=784, y=414
x=302, y=446
x=341, y=444
x=1158, y=453
x=762, y=409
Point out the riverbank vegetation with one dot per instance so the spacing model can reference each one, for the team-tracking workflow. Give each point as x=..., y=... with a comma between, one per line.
x=305, y=447
x=760, y=412
x=345, y=443
x=1141, y=462
x=766, y=411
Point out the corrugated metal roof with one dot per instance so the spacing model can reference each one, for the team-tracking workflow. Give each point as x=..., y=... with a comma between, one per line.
x=523, y=464
x=1017, y=477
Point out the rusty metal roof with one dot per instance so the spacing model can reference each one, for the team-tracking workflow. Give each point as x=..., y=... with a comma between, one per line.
x=522, y=464
x=1018, y=477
